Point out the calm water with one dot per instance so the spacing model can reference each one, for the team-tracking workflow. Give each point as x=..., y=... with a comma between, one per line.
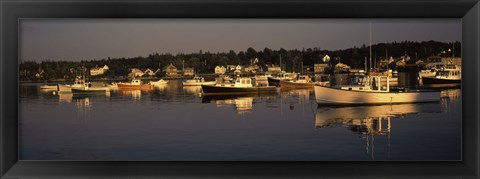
x=176, y=123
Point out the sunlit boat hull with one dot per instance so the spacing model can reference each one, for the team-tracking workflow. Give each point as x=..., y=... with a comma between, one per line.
x=326, y=116
x=217, y=90
x=49, y=87
x=134, y=87
x=333, y=96
x=198, y=83
x=433, y=80
x=64, y=88
x=290, y=84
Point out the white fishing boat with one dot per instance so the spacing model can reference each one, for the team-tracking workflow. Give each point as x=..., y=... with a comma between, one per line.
x=448, y=75
x=160, y=82
x=241, y=86
x=89, y=88
x=78, y=83
x=370, y=90
x=197, y=81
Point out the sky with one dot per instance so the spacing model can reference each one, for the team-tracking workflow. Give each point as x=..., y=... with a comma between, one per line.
x=90, y=39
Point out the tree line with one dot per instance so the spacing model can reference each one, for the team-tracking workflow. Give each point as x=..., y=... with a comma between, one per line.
x=205, y=62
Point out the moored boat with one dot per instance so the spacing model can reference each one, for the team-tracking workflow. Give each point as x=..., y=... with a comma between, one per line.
x=370, y=90
x=303, y=81
x=160, y=82
x=134, y=84
x=241, y=86
x=449, y=75
x=197, y=81
x=275, y=80
x=79, y=83
x=48, y=87
x=89, y=88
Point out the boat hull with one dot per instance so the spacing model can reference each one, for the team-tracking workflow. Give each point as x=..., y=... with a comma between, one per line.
x=199, y=83
x=273, y=81
x=333, y=96
x=136, y=87
x=432, y=80
x=290, y=84
x=89, y=91
x=218, y=90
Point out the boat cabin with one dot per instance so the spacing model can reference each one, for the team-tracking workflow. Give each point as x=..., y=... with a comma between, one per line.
x=367, y=83
x=136, y=82
x=243, y=82
x=198, y=79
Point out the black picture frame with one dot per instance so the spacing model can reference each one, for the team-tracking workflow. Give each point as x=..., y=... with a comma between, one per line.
x=11, y=11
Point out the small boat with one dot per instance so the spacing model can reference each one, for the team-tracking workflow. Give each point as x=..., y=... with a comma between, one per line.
x=197, y=81
x=274, y=81
x=449, y=75
x=160, y=82
x=79, y=83
x=431, y=69
x=49, y=87
x=303, y=81
x=89, y=89
x=366, y=89
x=135, y=84
x=242, y=85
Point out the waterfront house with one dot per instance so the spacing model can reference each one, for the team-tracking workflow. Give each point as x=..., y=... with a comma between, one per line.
x=274, y=69
x=231, y=67
x=252, y=68
x=326, y=59
x=220, y=70
x=188, y=72
x=149, y=72
x=40, y=73
x=135, y=72
x=341, y=68
x=446, y=60
x=320, y=68
x=98, y=71
x=170, y=70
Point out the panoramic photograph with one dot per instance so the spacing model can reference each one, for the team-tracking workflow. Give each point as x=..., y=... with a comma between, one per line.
x=240, y=89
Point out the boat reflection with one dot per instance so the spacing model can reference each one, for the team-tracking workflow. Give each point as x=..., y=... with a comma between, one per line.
x=243, y=104
x=82, y=102
x=192, y=90
x=300, y=94
x=365, y=115
x=370, y=121
x=449, y=98
x=134, y=94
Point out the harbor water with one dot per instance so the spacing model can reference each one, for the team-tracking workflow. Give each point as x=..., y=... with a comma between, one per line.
x=178, y=123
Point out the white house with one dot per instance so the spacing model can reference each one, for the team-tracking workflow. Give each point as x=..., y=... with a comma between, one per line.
x=188, y=72
x=149, y=72
x=220, y=70
x=98, y=71
x=136, y=72
x=274, y=69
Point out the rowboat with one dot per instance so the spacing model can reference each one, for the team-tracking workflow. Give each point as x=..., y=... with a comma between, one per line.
x=366, y=89
x=241, y=86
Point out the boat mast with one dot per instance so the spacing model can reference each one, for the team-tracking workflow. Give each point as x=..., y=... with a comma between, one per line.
x=280, y=62
x=370, y=46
